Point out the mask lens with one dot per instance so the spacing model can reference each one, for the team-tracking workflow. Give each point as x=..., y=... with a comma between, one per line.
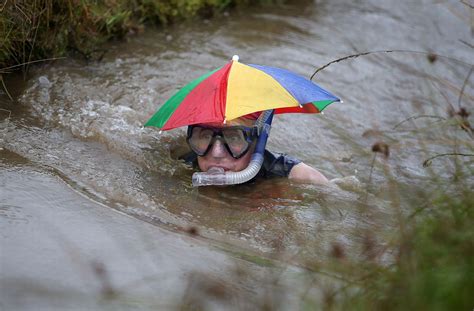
x=200, y=139
x=236, y=141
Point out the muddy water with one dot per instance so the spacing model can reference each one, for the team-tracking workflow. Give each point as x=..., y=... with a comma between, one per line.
x=83, y=122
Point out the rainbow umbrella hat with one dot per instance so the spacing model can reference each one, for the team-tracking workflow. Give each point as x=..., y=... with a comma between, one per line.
x=237, y=89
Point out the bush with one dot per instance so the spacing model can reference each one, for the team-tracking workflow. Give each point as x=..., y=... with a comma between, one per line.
x=41, y=29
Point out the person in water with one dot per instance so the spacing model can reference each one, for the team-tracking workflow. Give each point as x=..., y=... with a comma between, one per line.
x=230, y=147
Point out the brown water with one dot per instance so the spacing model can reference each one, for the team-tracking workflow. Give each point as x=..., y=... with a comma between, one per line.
x=82, y=122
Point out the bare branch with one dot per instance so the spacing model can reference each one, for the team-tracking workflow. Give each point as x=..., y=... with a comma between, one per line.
x=467, y=43
x=418, y=117
x=386, y=51
x=427, y=162
x=467, y=4
x=6, y=110
x=4, y=70
x=5, y=87
x=464, y=85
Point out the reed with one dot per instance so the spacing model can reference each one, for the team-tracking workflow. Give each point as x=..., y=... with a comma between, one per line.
x=41, y=29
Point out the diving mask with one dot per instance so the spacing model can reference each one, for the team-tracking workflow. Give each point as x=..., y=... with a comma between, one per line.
x=236, y=139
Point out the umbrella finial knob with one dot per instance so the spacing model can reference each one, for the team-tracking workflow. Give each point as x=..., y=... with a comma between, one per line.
x=235, y=58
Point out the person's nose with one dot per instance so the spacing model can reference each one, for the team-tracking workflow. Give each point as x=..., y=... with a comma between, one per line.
x=218, y=149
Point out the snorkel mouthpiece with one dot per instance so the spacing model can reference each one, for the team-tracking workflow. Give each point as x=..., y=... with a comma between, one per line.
x=217, y=176
x=214, y=176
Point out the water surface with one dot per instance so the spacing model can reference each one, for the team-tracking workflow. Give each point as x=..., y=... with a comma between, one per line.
x=83, y=122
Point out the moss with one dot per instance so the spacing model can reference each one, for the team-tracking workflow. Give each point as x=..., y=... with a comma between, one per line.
x=40, y=29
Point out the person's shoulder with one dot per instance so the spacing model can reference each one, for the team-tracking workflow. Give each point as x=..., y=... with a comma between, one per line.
x=305, y=173
x=278, y=164
x=283, y=165
x=277, y=156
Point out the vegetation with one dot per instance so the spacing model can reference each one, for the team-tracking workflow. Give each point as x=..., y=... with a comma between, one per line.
x=434, y=263
x=432, y=269
x=42, y=29
x=433, y=249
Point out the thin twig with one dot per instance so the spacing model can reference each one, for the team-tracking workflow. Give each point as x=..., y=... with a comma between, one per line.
x=31, y=62
x=5, y=87
x=34, y=38
x=6, y=110
x=3, y=7
x=21, y=11
x=427, y=161
x=467, y=4
x=418, y=210
x=418, y=117
x=385, y=51
x=463, y=86
x=446, y=98
x=467, y=43
x=370, y=178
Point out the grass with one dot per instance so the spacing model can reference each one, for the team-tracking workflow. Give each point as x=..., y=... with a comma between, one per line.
x=434, y=263
x=433, y=247
x=432, y=269
x=42, y=29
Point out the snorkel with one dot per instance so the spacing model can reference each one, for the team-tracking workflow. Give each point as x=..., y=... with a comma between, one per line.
x=217, y=176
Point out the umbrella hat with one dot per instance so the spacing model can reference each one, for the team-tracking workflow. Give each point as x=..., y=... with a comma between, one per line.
x=236, y=90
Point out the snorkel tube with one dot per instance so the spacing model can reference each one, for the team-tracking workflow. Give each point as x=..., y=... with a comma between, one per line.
x=217, y=176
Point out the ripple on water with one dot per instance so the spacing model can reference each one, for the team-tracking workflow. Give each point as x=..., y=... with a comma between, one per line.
x=91, y=118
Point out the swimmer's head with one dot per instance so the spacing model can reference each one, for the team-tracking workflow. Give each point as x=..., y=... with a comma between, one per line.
x=228, y=146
